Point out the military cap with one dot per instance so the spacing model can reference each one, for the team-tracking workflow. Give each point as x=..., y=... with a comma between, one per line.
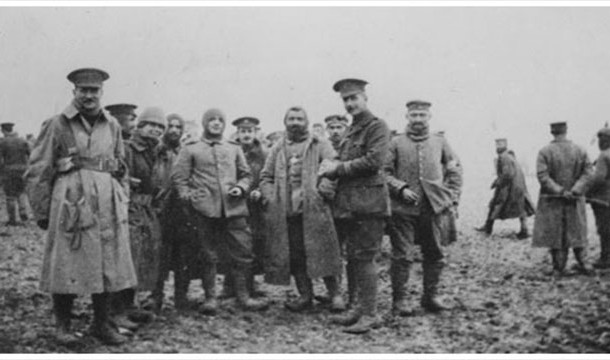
x=559, y=127
x=88, y=77
x=348, y=87
x=246, y=122
x=418, y=105
x=121, y=109
x=335, y=119
x=604, y=132
x=501, y=142
x=153, y=115
x=8, y=126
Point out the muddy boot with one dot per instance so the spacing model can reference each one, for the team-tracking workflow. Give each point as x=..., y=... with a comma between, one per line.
x=101, y=327
x=352, y=285
x=244, y=300
x=523, y=233
x=133, y=313
x=487, y=228
x=62, y=308
x=305, y=288
x=208, y=281
x=367, y=281
x=334, y=294
x=558, y=271
x=118, y=313
x=582, y=267
x=429, y=300
x=400, y=272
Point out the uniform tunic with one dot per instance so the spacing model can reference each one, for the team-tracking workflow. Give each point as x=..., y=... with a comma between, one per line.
x=14, y=154
x=561, y=223
x=511, y=199
x=89, y=253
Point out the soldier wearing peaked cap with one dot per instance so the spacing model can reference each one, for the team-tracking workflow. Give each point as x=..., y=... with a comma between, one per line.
x=511, y=198
x=256, y=154
x=361, y=204
x=125, y=114
x=425, y=179
x=14, y=154
x=335, y=127
x=77, y=186
x=561, y=219
x=598, y=191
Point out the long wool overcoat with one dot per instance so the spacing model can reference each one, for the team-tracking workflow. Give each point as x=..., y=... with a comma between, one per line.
x=89, y=253
x=320, y=238
x=561, y=223
x=511, y=198
x=144, y=227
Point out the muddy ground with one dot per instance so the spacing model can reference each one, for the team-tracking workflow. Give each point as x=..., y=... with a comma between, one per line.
x=502, y=298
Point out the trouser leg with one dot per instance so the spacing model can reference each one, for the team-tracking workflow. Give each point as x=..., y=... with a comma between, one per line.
x=401, y=231
x=11, y=209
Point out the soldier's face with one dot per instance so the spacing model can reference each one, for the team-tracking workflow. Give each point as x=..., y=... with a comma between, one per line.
x=418, y=118
x=88, y=98
x=246, y=135
x=215, y=126
x=174, y=129
x=355, y=104
x=335, y=131
x=295, y=120
x=603, y=143
x=500, y=149
x=152, y=130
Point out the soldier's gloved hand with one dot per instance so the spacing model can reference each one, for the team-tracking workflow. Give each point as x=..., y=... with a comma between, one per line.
x=43, y=224
x=409, y=195
x=255, y=195
x=236, y=191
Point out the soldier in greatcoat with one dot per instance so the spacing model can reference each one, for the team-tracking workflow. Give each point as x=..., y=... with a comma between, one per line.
x=256, y=154
x=424, y=180
x=511, y=198
x=213, y=179
x=301, y=240
x=598, y=194
x=362, y=203
x=78, y=191
x=561, y=219
x=14, y=154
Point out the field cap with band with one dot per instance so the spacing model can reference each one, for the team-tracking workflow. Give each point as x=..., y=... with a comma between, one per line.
x=88, y=77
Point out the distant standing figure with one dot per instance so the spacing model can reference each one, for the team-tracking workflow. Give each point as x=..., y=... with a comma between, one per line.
x=511, y=198
x=561, y=218
x=14, y=154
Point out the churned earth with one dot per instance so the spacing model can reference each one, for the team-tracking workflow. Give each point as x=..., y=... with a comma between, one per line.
x=501, y=296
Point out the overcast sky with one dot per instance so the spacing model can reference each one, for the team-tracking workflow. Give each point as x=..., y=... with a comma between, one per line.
x=489, y=72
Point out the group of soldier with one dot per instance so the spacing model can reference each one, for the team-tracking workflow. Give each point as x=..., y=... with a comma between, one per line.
x=124, y=201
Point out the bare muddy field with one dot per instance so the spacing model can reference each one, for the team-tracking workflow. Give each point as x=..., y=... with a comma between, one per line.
x=502, y=300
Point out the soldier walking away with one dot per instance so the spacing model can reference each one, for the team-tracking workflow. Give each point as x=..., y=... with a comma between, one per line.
x=144, y=227
x=561, y=218
x=14, y=154
x=302, y=240
x=362, y=202
x=511, y=198
x=212, y=177
x=76, y=181
x=256, y=154
x=424, y=181
x=126, y=116
x=598, y=194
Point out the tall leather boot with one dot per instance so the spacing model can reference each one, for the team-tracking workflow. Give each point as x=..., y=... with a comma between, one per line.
x=241, y=290
x=432, y=275
x=336, y=300
x=580, y=254
x=11, y=209
x=101, y=328
x=208, y=281
x=523, y=233
x=228, y=287
x=133, y=313
x=118, y=312
x=487, y=228
x=62, y=309
x=23, y=212
x=367, y=281
x=181, y=285
x=305, y=288
x=399, y=272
